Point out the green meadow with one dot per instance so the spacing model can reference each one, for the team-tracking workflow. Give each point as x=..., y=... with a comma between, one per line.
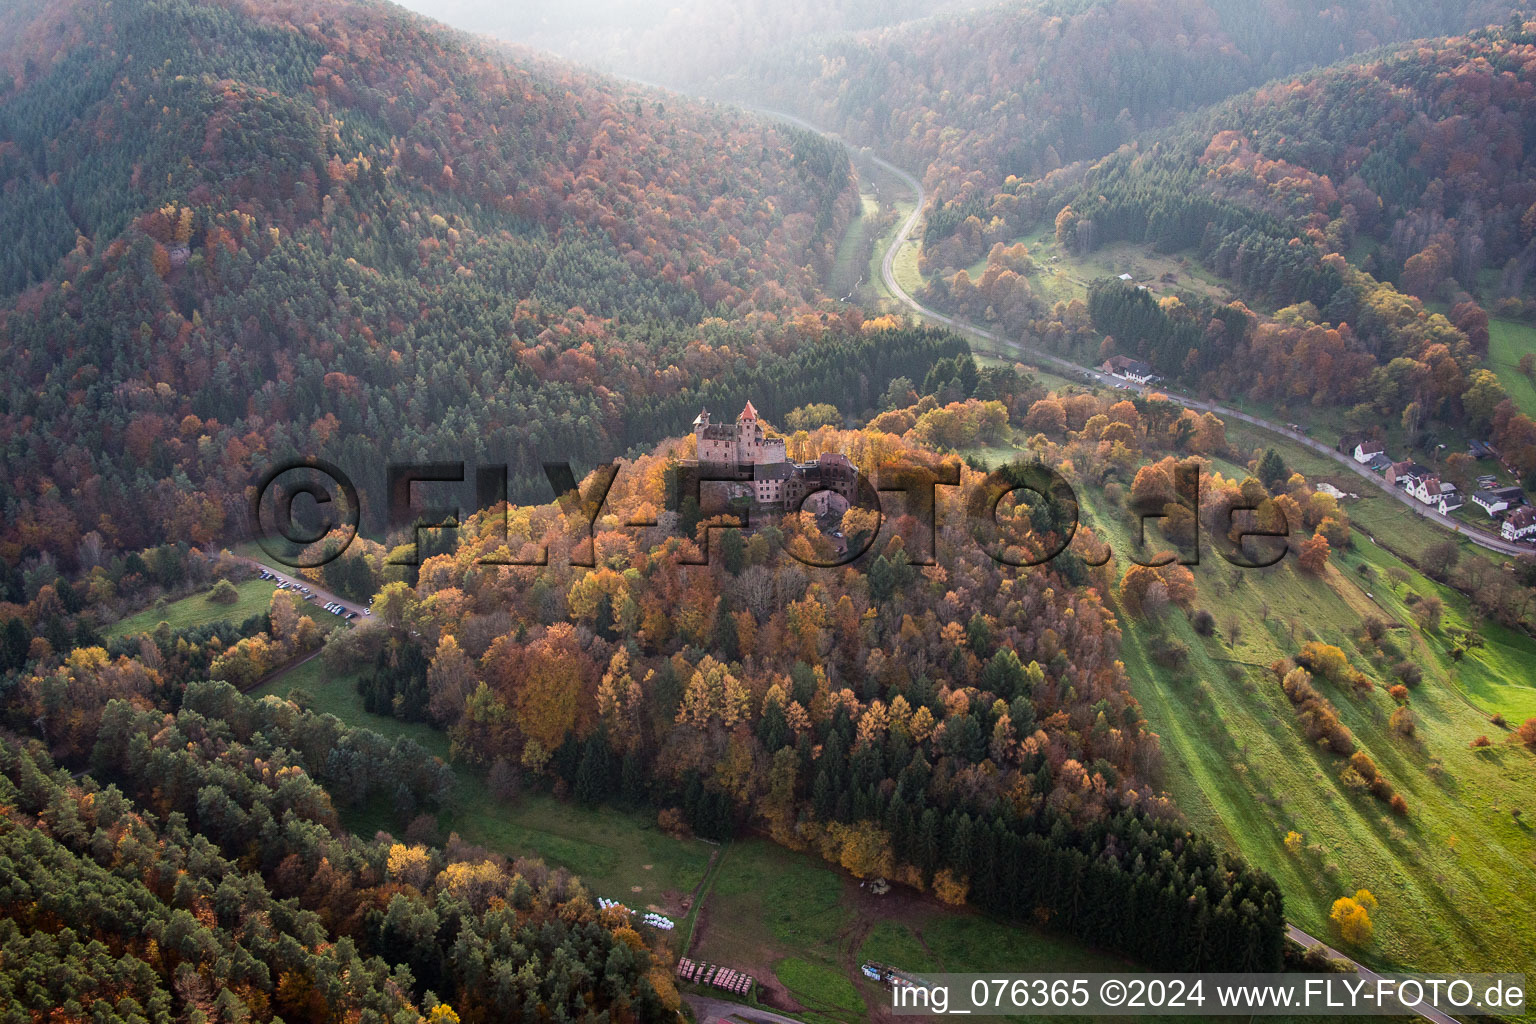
x=1507, y=342
x=619, y=855
x=1455, y=876
x=197, y=610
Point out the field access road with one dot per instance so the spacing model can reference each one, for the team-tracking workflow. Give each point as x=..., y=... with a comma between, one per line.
x=1010, y=348
x=709, y=1010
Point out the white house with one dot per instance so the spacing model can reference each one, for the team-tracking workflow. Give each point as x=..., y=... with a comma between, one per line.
x=1365, y=451
x=1450, y=503
x=1127, y=368
x=1431, y=490
x=1494, y=501
x=1406, y=474
x=1520, y=524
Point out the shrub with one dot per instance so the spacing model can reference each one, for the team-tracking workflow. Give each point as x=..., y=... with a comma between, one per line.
x=1481, y=741
x=670, y=820
x=1399, y=805
x=950, y=889
x=1169, y=652
x=505, y=781
x=422, y=829
x=223, y=592
x=1318, y=717
x=1204, y=622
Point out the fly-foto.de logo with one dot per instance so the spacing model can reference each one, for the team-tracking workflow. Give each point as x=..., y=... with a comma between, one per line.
x=297, y=504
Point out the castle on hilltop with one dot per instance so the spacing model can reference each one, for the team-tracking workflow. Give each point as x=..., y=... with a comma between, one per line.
x=753, y=468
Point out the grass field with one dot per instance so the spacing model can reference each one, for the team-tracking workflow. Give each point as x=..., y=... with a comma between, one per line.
x=1507, y=342
x=197, y=610
x=823, y=990
x=850, y=269
x=1240, y=768
x=618, y=855
x=905, y=266
x=768, y=904
x=337, y=695
x=937, y=940
x=1457, y=876
x=808, y=926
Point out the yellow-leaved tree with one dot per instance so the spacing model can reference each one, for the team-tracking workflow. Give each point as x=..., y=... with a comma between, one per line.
x=1351, y=917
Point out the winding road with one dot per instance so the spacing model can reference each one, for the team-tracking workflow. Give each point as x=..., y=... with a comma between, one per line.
x=1009, y=346
x=888, y=274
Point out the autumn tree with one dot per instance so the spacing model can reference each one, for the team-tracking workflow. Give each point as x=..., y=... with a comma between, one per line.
x=1351, y=917
x=619, y=702
x=1313, y=555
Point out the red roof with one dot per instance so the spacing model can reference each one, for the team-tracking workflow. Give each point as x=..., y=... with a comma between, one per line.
x=748, y=412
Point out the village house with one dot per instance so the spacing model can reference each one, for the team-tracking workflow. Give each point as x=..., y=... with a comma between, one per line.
x=1405, y=474
x=1496, y=500
x=1431, y=490
x=1130, y=369
x=1520, y=525
x=1365, y=451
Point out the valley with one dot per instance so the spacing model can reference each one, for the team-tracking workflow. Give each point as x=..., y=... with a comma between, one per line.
x=1123, y=558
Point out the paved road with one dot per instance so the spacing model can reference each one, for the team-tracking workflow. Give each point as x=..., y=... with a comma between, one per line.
x=709, y=1010
x=888, y=273
x=1011, y=346
x=1297, y=935
x=322, y=597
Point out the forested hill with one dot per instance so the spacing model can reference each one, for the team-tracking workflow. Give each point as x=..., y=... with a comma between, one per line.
x=683, y=44
x=1350, y=200
x=1019, y=89
x=239, y=232
x=1415, y=162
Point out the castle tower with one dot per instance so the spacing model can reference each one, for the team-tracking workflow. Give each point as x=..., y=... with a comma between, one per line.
x=737, y=447
x=749, y=436
x=716, y=441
